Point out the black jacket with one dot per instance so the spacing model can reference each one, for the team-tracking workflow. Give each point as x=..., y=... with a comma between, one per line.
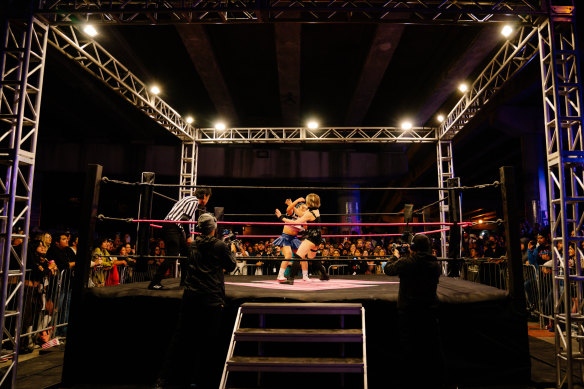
x=208, y=257
x=418, y=274
x=62, y=257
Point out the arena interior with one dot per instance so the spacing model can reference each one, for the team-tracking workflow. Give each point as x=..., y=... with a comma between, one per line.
x=370, y=122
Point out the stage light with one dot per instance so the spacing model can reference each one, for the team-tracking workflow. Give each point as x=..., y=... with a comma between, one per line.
x=220, y=126
x=507, y=30
x=313, y=124
x=155, y=89
x=190, y=119
x=440, y=118
x=407, y=125
x=90, y=30
x=463, y=87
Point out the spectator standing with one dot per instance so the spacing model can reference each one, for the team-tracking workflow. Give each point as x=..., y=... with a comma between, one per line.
x=73, y=242
x=60, y=253
x=417, y=306
x=63, y=257
x=539, y=253
x=197, y=336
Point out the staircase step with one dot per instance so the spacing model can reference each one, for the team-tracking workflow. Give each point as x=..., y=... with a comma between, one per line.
x=304, y=365
x=298, y=335
x=301, y=308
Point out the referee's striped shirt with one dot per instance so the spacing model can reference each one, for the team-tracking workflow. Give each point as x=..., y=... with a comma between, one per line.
x=184, y=209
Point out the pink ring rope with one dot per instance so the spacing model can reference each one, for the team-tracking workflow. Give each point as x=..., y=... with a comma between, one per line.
x=462, y=224
x=336, y=236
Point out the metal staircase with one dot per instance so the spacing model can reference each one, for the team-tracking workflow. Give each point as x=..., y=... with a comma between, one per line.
x=286, y=364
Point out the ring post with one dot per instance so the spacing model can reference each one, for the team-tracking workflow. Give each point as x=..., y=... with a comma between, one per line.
x=82, y=268
x=408, y=218
x=144, y=212
x=219, y=212
x=516, y=284
x=514, y=265
x=454, y=217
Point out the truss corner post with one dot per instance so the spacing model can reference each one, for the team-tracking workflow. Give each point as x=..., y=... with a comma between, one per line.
x=562, y=102
x=188, y=168
x=22, y=64
x=445, y=166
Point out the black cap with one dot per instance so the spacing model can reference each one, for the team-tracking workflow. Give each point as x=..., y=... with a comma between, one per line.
x=421, y=243
x=207, y=223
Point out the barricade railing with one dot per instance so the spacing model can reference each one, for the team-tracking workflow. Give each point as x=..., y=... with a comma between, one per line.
x=539, y=291
x=546, y=296
x=487, y=271
x=100, y=276
x=338, y=269
x=45, y=308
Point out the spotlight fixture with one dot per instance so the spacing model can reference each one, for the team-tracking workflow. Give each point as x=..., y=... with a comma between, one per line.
x=90, y=30
x=313, y=124
x=190, y=119
x=506, y=31
x=463, y=87
x=407, y=125
x=155, y=89
x=440, y=118
x=220, y=126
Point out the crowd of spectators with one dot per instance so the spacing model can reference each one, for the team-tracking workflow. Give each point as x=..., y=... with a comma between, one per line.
x=50, y=260
x=51, y=256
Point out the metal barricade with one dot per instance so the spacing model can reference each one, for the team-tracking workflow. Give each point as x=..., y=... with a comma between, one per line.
x=539, y=291
x=100, y=276
x=242, y=268
x=531, y=284
x=546, y=297
x=45, y=309
x=485, y=271
x=338, y=269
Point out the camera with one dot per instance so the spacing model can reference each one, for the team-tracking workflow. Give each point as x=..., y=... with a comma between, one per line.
x=228, y=235
x=236, y=243
x=402, y=249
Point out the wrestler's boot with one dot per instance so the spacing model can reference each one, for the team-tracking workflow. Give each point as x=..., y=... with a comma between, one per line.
x=323, y=274
x=293, y=272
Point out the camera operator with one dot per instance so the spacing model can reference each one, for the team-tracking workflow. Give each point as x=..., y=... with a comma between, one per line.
x=196, y=340
x=417, y=306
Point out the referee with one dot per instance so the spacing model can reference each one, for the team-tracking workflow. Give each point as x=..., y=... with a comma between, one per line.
x=174, y=233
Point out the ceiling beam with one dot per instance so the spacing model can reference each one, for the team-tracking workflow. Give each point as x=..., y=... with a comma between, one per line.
x=384, y=43
x=476, y=53
x=201, y=52
x=288, y=57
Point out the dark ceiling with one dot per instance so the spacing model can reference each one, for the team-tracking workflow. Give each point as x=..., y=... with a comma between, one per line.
x=282, y=74
x=332, y=61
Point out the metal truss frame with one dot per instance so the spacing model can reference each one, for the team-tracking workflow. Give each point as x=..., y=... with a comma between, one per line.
x=323, y=134
x=507, y=62
x=562, y=102
x=188, y=168
x=553, y=37
x=22, y=64
x=102, y=65
x=250, y=11
x=445, y=163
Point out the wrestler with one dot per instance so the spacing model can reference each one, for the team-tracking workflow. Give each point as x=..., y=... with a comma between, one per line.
x=313, y=238
x=289, y=241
